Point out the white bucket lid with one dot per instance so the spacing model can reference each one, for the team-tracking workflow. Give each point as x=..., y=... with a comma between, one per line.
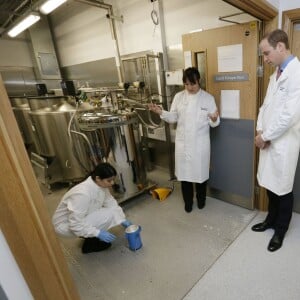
x=132, y=228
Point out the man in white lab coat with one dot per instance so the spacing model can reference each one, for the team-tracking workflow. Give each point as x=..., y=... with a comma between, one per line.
x=194, y=111
x=278, y=135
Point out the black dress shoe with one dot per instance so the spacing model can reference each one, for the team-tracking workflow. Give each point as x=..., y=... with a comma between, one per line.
x=275, y=242
x=260, y=227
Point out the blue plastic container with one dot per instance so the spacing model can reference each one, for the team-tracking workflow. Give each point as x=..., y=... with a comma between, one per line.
x=133, y=236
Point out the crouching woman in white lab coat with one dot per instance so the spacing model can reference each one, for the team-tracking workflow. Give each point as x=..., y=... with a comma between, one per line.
x=88, y=210
x=194, y=111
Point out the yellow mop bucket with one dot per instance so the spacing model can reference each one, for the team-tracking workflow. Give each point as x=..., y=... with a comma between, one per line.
x=161, y=193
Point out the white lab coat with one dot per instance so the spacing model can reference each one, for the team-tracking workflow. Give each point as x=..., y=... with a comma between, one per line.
x=192, y=142
x=85, y=210
x=279, y=120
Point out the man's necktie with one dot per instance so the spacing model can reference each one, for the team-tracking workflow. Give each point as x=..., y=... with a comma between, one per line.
x=279, y=71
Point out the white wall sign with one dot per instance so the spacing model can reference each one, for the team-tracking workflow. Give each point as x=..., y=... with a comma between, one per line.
x=230, y=58
x=187, y=59
x=230, y=104
x=174, y=77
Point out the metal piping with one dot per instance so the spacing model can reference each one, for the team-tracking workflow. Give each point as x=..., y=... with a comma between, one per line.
x=109, y=9
x=232, y=15
x=14, y=13
x=94, y=158
x=167, y=99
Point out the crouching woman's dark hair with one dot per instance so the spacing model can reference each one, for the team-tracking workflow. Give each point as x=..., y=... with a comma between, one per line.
x=104, y=170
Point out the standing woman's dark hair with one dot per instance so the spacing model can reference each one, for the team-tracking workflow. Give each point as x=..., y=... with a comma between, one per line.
x=103, y=170
x=192, y=75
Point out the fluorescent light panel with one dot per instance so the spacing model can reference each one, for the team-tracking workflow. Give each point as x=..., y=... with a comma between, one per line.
x=50, y=5
x=29, y=20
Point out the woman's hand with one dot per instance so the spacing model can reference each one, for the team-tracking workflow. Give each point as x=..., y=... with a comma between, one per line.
x=214, y=116
x=155, y=108
x=126, y=223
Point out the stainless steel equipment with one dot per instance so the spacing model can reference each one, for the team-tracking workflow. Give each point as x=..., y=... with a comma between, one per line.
x=59, y=157
x=21, y=109
x=115, y=138
x=71, y=140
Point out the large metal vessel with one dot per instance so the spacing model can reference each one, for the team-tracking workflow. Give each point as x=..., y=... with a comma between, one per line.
x=59, y=157
x=115, y=138
x=21, y=109
x=72, y=139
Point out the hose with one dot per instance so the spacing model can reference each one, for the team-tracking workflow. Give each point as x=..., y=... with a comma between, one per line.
x=152, y=124
x=71, y=120
x=88, y=143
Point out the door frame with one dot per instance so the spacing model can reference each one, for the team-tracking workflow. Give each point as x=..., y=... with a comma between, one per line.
x=24, y=219
x=289, y=17
x=260, y=9
x=28, y=232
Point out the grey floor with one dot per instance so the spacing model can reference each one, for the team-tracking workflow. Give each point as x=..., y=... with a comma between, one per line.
x=209, y=254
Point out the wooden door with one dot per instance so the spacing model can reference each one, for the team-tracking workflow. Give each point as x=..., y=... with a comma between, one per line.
x=233, y=155
x=24, y=219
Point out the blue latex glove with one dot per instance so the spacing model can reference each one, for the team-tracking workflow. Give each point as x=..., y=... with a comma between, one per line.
x=106, y=236
x=126, y=223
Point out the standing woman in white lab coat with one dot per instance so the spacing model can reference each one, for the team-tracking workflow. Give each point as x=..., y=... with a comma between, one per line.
x=278, y=135
x=194, y=111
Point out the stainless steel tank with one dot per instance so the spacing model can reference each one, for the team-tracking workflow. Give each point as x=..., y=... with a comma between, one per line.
x=52, y=127
x=115, y=138
x=21, y=109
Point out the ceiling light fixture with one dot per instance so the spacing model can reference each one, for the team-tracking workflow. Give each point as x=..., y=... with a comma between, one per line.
x=50, y=5
x=24, y=23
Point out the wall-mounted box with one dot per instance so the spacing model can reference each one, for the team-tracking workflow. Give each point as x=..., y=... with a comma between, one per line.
x=174, y=77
